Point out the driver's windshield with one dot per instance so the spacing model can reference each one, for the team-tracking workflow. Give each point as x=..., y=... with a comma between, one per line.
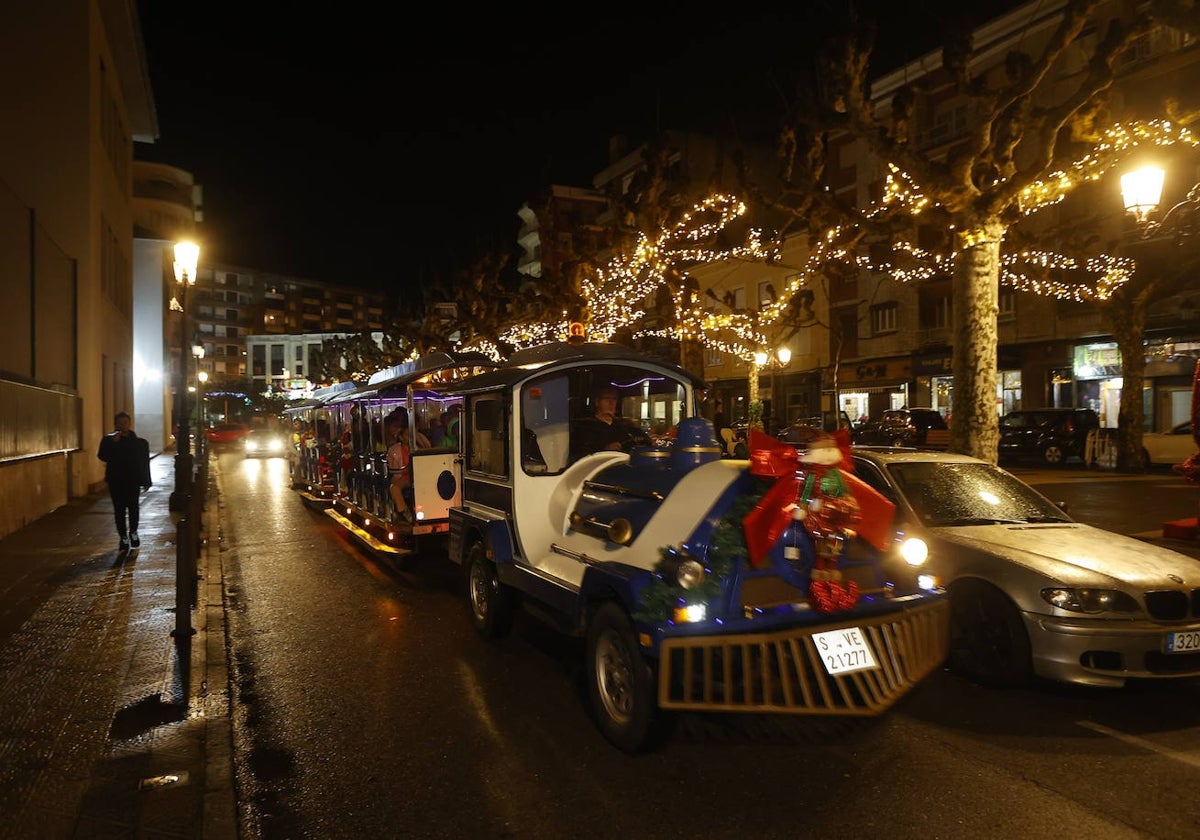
x=970, y=494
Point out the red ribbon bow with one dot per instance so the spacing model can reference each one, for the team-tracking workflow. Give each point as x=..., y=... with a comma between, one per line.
x=771, y=457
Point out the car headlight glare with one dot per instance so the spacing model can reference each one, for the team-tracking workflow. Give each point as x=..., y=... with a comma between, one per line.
x=915, y=551
x=1088, y=600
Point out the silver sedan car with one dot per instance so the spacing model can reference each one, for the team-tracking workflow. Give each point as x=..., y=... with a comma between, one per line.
x=1032, y=592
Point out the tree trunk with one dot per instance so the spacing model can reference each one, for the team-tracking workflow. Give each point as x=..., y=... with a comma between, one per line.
x=1127, y=315
x=975, y=424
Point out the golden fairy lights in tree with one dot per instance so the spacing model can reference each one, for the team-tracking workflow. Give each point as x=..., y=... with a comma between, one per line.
x=617, y=295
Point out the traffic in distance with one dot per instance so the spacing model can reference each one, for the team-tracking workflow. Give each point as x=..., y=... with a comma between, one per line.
x=809, y=577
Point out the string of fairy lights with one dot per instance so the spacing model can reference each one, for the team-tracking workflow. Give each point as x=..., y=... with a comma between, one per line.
x=617, y=296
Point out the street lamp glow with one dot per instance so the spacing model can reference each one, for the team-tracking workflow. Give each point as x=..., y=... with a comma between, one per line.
x=1141, y=190
x=187, y=256
x=784, y=355
x=761, y=357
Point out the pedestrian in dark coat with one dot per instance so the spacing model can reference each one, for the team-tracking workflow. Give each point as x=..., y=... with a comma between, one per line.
x=126, y=460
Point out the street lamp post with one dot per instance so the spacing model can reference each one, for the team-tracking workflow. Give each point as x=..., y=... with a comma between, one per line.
x=187, y=254
x=201, y=440
x=769, y=361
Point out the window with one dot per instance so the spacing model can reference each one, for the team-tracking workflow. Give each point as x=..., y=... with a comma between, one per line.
x=883, y=318
x=935, y=311
x=1007, y=304
x=487, y=442
x=766, y=293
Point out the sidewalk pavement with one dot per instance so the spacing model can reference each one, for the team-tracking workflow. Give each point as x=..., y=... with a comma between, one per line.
x=111, y=723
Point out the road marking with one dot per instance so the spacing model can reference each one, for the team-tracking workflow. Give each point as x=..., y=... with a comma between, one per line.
x=1191, y=758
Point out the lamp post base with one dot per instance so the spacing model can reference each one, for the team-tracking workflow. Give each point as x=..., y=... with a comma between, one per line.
x=183, y=483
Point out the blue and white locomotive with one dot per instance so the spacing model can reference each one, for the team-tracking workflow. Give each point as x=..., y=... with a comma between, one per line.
x=699, y=582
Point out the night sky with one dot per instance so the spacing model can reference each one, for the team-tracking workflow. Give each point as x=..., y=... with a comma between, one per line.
x=383, y=149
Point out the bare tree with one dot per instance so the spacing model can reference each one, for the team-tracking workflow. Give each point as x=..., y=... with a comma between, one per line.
x=1025, y=124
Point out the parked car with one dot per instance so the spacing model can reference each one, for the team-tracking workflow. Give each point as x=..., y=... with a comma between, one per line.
x=226, y=432
x=1034, y=593
x=920, y=427
x=1051, y=435
x=1169, y=448
x=266, y=443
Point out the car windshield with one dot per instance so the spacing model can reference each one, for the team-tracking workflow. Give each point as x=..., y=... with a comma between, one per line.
x=970, y=494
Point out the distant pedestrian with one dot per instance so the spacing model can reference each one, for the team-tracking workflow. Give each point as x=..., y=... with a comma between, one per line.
x=126, y=460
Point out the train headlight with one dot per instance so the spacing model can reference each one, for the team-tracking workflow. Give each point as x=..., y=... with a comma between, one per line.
x=915, y=551
x=683, y=570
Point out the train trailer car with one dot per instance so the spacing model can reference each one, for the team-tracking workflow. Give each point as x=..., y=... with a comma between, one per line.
x=771, y=585
x=313, y=470
x=392, y=503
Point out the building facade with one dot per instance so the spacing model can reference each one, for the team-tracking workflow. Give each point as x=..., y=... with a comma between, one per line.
x=74, y=97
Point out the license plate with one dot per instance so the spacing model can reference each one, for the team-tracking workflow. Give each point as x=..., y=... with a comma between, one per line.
x=844, y=651
x=1185, y=641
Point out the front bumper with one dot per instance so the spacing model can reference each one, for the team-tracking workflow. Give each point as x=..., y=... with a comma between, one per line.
x=781, y=672
x=1106, y=653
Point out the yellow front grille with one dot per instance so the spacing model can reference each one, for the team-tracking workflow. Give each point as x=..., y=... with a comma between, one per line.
x=782, y=672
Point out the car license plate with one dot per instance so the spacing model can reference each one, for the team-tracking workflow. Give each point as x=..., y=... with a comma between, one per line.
x=844, y=651
x=1185, y=641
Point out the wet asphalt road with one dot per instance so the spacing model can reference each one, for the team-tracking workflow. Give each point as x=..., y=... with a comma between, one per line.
x=366, y=706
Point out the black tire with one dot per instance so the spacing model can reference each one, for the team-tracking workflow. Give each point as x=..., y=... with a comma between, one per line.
x=620, y=682
x=741, y=451
x=899, y=442
x=988, y=641
x=1054, y=455
x=491, y=602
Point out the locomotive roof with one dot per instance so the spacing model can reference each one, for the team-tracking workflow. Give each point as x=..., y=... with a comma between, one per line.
x=525, y=363
x=402, y=375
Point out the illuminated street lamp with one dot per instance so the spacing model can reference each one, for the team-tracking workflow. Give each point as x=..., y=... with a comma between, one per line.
x=202, y=378
x=763, y=360
x=187, y=255
x=1141, y=191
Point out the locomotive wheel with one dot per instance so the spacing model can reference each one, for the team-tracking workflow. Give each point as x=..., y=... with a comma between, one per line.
x=491, y=601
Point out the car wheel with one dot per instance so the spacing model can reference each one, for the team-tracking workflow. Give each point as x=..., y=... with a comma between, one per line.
x=741, y=451
x=491, y=601
x=898, y=442
x=620, y=681
x=1054, y=455
x=988, y=641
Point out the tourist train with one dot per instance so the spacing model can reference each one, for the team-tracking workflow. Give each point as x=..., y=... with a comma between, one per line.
x=772, y=585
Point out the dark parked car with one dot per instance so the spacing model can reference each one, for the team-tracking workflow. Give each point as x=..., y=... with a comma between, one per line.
x=1051, y=435
x=924, y=428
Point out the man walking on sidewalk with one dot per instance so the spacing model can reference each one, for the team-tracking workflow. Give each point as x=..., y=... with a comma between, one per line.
x=127, y=469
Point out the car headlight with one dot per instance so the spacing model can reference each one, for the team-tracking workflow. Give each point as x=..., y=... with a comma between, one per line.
x=684, y=570
x=251, y=445
x=1087, y=600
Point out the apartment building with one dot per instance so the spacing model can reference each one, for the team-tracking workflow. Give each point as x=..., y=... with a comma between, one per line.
x=74, y=97
x=231, y=303
x=870, y=342
x=896, y=338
